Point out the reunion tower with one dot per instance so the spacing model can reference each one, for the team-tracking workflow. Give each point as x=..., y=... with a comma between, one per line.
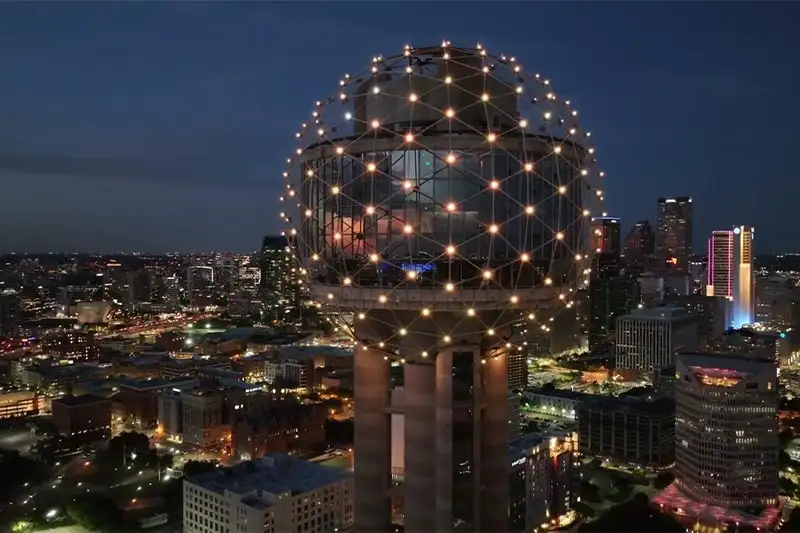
x=438, y=201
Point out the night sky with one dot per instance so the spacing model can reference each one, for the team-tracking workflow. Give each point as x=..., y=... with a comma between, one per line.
x=164, y=127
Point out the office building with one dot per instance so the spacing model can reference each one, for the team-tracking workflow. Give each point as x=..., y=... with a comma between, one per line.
x=640, y=242
x=284, y=426
x=649, y=339
x=280, y=287
x=711, y=314
x=275, y=494
x=726, y=430
x=765, y=345
x=627, y=430
x=435, y=247
x=730, y=271
x=87, y=416
x=609, y=299
x=543, y=480
x=203, y=418
x=200, y=285
x=674, y=236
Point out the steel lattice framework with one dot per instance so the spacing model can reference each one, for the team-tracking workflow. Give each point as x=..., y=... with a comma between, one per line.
x=442, y=180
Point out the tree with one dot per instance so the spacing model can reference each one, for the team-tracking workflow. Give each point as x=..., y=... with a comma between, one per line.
x=16, y=470
x=663, y=480
x=583, y=509
x=339, y=433
x=195, y=468
x=634, y=515
x=95, y=512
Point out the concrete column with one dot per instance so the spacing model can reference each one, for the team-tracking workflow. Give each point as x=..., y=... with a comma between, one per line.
x=420, y=447
x=372, y=460
x=494, y=446
x=444, y=441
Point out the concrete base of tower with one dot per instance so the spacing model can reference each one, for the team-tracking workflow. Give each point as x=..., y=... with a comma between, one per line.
x=453, y=397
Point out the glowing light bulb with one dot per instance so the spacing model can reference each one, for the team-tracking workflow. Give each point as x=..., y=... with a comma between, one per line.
x=403, y=331
x=470, y=312
x=528, y=167
x=409, y=137
x=562, y=190
x=449, y=287
x=490, y=332
x=409, y=70
x=446, y=338
x=547, y=115
x=348, y=116
x=382, y=299
x=530, y=210
x=451, y=250
x=572, y=131
x=548, y=281
x=451, y=158
x=320, y=132
x=599, y=193
x=531, y=316
x=375, y=124
x=299, y=151
x=424, y=354
x=371, y=167
x=426, y=312
x=411, y=274
x=487, y=274
x=523, y=123
x=451, y=207
x=491, y=137
x=485, y=70
x=514, y=299
x=493, y=228
x=347, y=281
x=315, y=257
x=584, y=172
x=309, y=172
x=586, y=212
x=337, y=236
x=485, y=97
x=448, y=79
x=376, y=90
x=557, y=149
x=408, y=228
x=370, y=210
x=559, y=236
x=334, y=190
x=519, y=90
x=578, y=257
x=412, y=97
x=450, y=113
x=361, y=316
x=339, y=150
x=308, y=212
x=524, y=258
x=374, y=258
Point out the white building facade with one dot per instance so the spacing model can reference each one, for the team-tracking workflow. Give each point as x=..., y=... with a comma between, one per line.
x=276, y=494
x=648, y=339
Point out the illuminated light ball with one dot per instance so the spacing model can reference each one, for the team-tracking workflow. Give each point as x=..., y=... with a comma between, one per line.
x=450, y=175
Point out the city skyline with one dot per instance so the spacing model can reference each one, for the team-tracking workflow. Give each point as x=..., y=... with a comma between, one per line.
x=170, y=141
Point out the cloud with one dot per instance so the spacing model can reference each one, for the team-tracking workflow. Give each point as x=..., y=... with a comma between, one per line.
x=191, y=170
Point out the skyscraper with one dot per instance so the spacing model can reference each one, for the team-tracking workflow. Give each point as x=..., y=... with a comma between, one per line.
x=605, y=237
x=640, y=241
x=441, y=211
x=674, y=237
x=730, y=271
x=726, y=430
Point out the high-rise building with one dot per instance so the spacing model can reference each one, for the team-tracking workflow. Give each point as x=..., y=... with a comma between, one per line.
x=649, y=339
x=640, y=242
x=431, y=220
x=200, y=285
x=726, y=430
x=280, y=290
x=605, y=238
x=609, y=299
x=730, y=271
x=9, y=312
x=674, y=237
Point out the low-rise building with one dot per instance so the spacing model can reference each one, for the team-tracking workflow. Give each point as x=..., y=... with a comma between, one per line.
x=87, y=416
x=275, y=494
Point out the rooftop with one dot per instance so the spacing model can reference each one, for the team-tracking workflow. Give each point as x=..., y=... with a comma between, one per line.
x=669, y=313
x=274, y=474
x=157, y=383
x=751, y=365
x=83, y=399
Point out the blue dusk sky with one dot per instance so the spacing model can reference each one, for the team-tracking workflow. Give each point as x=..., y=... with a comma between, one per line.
x=153, y=127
